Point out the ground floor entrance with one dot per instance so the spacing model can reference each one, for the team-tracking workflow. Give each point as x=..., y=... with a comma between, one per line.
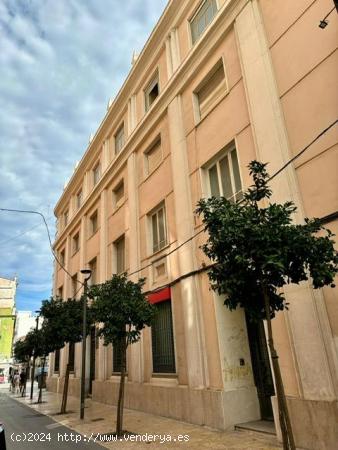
x=261, y=367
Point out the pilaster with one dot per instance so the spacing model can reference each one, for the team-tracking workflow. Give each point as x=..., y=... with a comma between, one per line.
x=311, y=352
x=190, y=292
x=135, y=351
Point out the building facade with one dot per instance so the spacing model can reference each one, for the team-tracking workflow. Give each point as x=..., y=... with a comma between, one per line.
x=7, y=321
x=25, y=322
x=218, y=84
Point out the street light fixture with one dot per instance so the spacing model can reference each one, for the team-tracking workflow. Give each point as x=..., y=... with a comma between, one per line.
x=87, y=272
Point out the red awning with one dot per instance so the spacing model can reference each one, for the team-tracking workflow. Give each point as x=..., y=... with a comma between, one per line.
x=159, y=296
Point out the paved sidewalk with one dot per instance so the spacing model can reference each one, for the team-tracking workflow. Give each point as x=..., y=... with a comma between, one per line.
x=100, y=418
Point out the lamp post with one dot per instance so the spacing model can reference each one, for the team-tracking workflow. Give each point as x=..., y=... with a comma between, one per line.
x=34, y=357
x=87, y=272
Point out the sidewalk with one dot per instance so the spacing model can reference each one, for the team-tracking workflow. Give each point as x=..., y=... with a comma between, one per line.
x=100, y=418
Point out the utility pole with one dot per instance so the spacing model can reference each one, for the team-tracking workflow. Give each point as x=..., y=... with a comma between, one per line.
x=84, y=337
x=34, y=357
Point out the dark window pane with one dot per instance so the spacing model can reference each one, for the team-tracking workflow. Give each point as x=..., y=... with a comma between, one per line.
x=226, y=179
x=163, y=339
x=213, y=177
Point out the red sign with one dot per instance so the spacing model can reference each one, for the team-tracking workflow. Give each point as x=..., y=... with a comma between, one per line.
x=160, y=296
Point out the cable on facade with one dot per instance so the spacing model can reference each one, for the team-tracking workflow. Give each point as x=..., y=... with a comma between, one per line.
x=269, y=179
x=184, y=242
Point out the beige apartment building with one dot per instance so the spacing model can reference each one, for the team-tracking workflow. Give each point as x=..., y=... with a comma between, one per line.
x=218, y=84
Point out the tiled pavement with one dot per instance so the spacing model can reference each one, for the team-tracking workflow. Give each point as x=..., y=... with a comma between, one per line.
x=100, y=418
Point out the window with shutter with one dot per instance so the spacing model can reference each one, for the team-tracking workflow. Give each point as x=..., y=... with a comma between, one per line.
x=211, y=89
x=153, y=157
x=163, y=339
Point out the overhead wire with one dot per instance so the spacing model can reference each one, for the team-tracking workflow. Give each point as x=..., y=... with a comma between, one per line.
x=184, y=242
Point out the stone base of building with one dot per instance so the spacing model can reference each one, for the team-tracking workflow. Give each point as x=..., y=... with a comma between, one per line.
x=314, y=423
x=214, y=408
x=55, y=384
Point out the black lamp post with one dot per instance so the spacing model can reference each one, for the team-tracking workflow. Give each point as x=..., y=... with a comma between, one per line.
x=87, y=272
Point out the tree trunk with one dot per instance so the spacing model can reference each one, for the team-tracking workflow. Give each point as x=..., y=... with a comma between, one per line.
x=120, y=404
x=65, y=390
x=23, y=392
x=284, y=419
x=41, y=380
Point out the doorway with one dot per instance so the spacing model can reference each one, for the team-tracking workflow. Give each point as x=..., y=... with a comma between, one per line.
x=261, y=367
x=92, y=358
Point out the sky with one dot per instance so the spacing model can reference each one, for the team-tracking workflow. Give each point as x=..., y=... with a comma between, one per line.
x=60, y=63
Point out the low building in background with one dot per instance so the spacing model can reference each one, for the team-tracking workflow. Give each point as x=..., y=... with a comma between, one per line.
x=25, y=322
x=218, y=84
x=7, y=322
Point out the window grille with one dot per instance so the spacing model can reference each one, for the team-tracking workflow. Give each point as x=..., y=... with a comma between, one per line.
x=163, y=339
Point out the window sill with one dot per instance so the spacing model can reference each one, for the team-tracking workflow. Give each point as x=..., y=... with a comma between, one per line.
x=118, y=205
x=153, y=256
x=212, y=106
x=148, y=175
x=164, y=379
x=93, y=234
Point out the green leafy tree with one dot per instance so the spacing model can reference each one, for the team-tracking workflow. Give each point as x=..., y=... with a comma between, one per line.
x=23, y=351
x=42, y=342
x=64, y=320
x=256, y=250
x=122, y=311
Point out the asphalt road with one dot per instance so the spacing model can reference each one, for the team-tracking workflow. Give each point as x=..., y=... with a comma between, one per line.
x=28, y=429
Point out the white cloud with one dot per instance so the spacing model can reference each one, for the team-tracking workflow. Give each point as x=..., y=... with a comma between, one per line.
x=60, y=62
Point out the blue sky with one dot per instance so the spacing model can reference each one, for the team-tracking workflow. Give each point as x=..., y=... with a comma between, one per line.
x=60, y=62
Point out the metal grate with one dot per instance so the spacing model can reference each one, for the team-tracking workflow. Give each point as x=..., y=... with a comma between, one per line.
x=163, y=339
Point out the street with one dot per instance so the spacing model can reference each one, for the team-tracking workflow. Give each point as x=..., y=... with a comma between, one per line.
x=29, y=429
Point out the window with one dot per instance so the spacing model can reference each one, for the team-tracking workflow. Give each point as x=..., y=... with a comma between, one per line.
x=79, y=198
x=119, y=252
x=71, y=356
x=93, y=223
x=62, y=257
x=153, y=156
x=96, y=173
x=66, y=218
x=224, y=177
x=119, y=139
x=74, y=285
x=211, y=88
x=162, y=339
x=202, y=18
x=93, y=268
x=158, y=229
x=118, y=194
x=151, y=92
x=76, y=243
x=57, y=360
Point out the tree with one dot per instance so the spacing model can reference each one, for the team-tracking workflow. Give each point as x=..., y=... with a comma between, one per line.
x=122, y=311
x=256, y=250
x=64, y=320
x=23, y=351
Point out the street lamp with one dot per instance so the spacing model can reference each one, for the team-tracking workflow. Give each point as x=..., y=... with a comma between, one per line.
x=87, y=272
x=34, y=355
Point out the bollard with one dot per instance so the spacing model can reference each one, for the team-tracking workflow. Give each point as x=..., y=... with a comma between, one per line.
x=2, y=437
